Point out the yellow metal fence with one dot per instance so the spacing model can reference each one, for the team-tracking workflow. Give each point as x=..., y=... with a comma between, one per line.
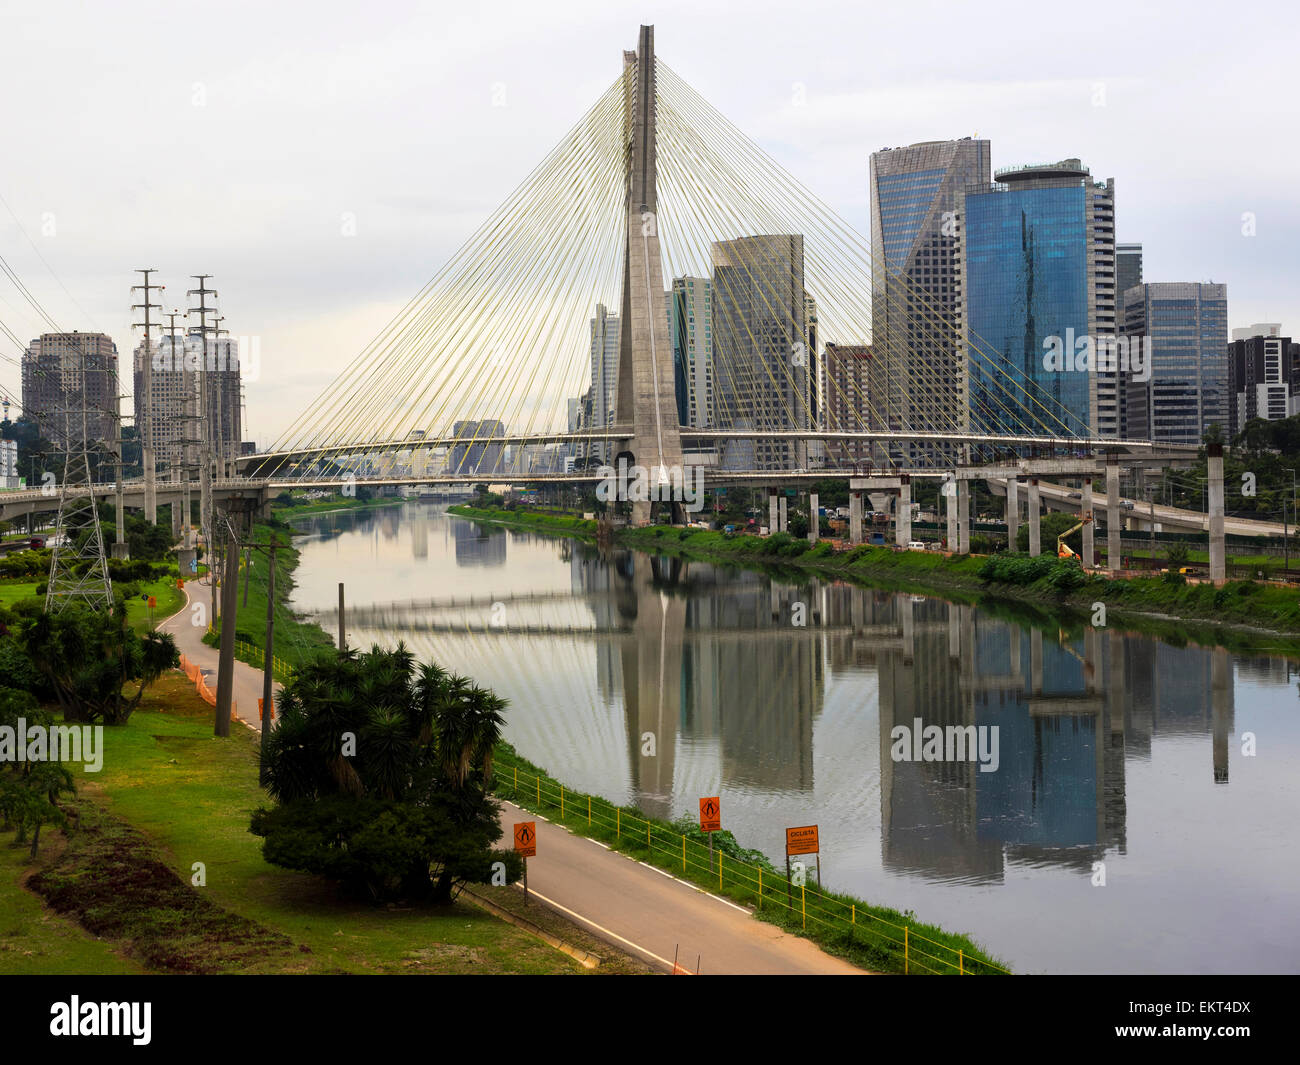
x=880, y=942
x=256, y=656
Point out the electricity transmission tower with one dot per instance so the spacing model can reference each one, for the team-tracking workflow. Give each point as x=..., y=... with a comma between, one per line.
x=78, y=569
x=144, y=402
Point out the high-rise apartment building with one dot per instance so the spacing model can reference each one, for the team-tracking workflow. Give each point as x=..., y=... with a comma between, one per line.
x=223, y=416
x=1263, y=375
x=1037, y=250
x=917, y=354
x=170, y=385
x=1184, y=328
x=65, y=374
x=760, y=349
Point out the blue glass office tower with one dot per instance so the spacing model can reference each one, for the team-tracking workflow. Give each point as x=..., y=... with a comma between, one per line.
x=914, y=375
x=1037, y=251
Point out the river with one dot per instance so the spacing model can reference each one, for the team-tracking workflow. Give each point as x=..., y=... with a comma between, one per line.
x=1134, y=807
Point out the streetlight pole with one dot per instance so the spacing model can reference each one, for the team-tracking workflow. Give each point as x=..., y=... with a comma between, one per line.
x=1286, y=551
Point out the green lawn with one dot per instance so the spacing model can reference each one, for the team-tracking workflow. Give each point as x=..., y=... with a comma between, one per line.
x=168, y=597
x=191, y=794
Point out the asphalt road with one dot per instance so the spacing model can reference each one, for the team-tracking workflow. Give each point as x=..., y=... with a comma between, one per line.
x=656, y=916
x=189, y=641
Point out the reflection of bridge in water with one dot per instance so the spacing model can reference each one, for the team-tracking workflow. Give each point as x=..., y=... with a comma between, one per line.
x=693, y=655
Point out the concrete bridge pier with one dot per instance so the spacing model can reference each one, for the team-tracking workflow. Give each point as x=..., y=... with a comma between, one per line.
x=773, y=516
x=1214, y=462
x=855, y=517
x=176, y=518
x=1013, y=512
x=903, y=512
x=950, y=506
x=1113, y=520
x=785, y=518
x=909, y=628
x=1035, y=529
x=1085, y=505
x=1036, y=661
x=120, y=549
x=963, y=517
x=814, y=518
x=1220, y=710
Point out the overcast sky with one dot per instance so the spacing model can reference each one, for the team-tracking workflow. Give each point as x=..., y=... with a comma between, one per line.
x=233, y=138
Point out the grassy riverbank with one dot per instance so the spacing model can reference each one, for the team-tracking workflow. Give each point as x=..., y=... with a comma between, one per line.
x=297, y=510
x=118, y=894
x=1247, y=616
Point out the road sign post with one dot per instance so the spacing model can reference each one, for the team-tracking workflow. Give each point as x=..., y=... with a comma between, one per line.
x=801, y=840
x=710, y=820
x=526, y=847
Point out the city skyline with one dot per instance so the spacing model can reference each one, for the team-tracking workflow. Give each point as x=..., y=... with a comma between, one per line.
x=316, y=296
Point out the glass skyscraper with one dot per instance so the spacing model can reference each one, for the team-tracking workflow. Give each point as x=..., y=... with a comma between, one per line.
x=1038, y=275
x=1186, y=327
x=914, y=377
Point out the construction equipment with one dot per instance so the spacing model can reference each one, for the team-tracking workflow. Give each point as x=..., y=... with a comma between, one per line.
x=1063, y=549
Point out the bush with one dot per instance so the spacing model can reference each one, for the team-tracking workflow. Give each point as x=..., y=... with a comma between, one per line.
x=404, y=810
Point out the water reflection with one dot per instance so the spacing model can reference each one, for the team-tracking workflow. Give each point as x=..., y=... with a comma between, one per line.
x=655, y=680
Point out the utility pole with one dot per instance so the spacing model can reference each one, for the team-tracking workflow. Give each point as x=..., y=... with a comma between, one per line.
x=1286, y=552
x=234, y=512
x=219, y=383
x=144, y=402
x=203, y=310
x=120, y=549
x=188, y=418
x=267, y=663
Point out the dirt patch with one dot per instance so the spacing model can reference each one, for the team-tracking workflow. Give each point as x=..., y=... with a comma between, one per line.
x=110, y=880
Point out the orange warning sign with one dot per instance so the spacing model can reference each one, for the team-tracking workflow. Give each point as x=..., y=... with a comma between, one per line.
x=153, y=602
x=526, y=838
x=801, y=840
x=711, y=814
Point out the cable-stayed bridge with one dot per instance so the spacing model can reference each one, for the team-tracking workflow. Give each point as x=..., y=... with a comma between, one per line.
x=509, y=365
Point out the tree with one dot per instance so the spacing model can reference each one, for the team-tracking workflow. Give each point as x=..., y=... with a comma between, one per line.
x=29, y=790
x=381, y=773
x=89, y=659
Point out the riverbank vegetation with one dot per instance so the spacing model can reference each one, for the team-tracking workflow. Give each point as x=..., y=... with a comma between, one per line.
x=1043, y=580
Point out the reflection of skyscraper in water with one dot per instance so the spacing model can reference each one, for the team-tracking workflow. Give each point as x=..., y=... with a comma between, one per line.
x=592, y=578
x=478, y=545
x=1178, y=691
x=772, y=691
x=1067, y=710
x=928, y=820
x=711, y=655
x=419, y=534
